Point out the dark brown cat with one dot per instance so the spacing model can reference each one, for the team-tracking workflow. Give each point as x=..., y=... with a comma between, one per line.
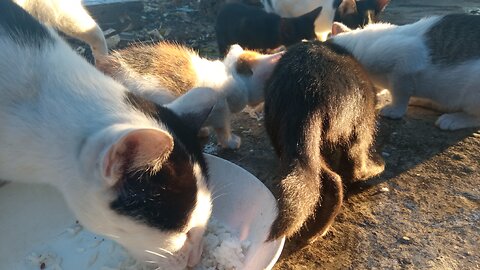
x=320, y=116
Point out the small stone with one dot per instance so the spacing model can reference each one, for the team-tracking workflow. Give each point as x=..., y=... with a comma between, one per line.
x=405, y=240
x=155, y=34
x=384, y=189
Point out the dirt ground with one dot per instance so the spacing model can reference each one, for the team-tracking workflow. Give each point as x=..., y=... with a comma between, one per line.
x=423, y=212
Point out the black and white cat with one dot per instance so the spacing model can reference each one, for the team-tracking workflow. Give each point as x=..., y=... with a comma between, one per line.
x=436, y=58
x=70, y=17
x=254, y=28
x=128, y=169
x=352, y=13
x=320, y=116
x=164, y=71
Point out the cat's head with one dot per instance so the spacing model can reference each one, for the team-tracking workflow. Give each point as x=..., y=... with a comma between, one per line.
x=293, y=30
x=250, y=70
x=152, y=195
x=355, y=14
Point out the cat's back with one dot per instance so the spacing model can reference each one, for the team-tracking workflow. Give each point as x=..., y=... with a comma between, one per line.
x=316, y=80
x=453, y=39
x=170, y=64
x=316, y=69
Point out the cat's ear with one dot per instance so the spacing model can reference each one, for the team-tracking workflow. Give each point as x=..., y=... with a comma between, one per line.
x=338, y=28
x=194, y=106
x=145, y=149
x=312, y=15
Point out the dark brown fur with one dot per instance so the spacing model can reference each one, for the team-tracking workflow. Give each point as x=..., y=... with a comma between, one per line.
x=318, y=102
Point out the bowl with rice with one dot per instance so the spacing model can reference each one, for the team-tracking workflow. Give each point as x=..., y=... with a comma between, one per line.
x=42, y=233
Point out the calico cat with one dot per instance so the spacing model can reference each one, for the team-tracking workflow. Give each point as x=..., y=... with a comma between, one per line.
x=436, y=58
x=163, y=71
x=253, y=28
x=352, y=13
x=70, y=17
x=128, y=169
x=320, y=117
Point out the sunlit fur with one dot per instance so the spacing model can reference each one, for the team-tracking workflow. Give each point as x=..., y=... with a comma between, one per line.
x=70, y=17
x=398, y=58
x=163, y=71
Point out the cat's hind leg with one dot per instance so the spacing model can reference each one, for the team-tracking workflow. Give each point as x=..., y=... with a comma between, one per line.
x=458, y=120
x=357, y=161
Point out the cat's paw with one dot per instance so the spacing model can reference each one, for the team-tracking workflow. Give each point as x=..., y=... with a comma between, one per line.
x=455, y=121
x=204, y=132
x=374, y=166
x=393, y=112
x=233, y=143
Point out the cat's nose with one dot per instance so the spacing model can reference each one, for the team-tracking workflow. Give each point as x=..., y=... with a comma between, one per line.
x=195, y=239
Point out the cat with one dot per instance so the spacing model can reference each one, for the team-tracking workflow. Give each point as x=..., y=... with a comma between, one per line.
x=129, y=169
x=70, y=17
x=352, y=13
x=320, y=117
x=163, y=71
x=253, y=28
x=436, y=58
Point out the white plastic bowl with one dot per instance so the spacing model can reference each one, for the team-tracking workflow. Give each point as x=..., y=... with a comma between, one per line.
x=34, y=219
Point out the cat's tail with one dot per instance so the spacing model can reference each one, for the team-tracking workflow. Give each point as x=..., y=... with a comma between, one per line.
x=309, y=193
x=298, y=193
x=308, y=203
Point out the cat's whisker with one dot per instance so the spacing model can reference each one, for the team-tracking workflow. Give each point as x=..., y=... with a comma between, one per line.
x=164, y=250
x=155, y=253
x=218, y=196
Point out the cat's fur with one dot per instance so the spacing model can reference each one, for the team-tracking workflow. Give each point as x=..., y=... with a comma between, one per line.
x=254, y=28
x=163, y=71
x=436, y=58
x=352, y=13
x=70, y=17
x=320, y=116
x=128, y=169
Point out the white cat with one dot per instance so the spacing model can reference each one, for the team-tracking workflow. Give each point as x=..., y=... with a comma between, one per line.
x=350, y=12
x=128, y=169
x=436, y=58
x=164, y=71
x=70, y=17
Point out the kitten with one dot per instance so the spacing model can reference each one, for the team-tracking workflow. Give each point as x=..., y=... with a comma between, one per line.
x=436, y=58
x=128, y=169
x=253, y=28
x=352, y=13
x=70, y=17
x=320, y=116
x=164, y=71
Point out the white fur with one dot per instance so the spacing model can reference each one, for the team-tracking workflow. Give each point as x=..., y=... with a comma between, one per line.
x=70, y=17
x=58, y=118
x=296, y=8
x=397, y=58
